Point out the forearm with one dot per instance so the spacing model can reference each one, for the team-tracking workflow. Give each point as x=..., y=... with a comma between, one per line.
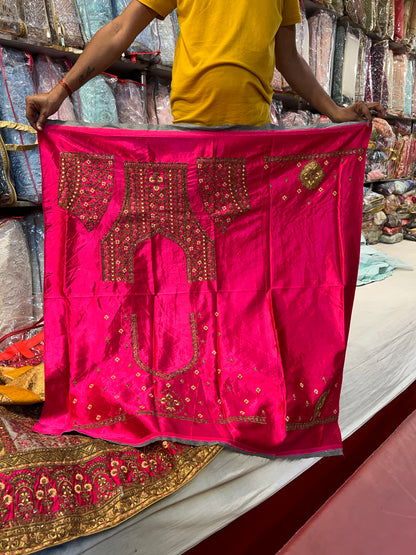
x=108, y=44
x=300, y=77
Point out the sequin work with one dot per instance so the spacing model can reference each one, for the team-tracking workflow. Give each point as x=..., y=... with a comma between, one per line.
x=156, y=201
x=222, y=185
x=85, y=186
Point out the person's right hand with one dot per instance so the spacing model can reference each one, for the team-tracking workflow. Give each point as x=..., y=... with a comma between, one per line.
x=40, y=106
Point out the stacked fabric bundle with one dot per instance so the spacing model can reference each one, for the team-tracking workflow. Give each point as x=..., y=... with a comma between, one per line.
x=16, y=306
x=322, y=29
x=158, y=103
x=348, y=53
x=47, y=73
x=15, y=84
x=10, y=21
x=373, y=216
x=380, y=150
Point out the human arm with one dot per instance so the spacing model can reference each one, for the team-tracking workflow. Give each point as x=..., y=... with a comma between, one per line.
x=300, y=77
x=105, y=47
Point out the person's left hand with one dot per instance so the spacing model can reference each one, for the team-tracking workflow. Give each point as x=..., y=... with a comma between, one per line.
x=359, y=111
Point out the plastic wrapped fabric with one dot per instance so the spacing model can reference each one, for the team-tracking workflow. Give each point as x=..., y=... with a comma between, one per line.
x=338, y=63
x=36, y=21
x=355, y=11
x=291, y=120
x=15, y=84
x=383, y=16
x=363, y=68
x=47, y=73
x=33, y=227
x=391, y=239
x=388, y=82
x=158, y=103
x=370, y=15
x=322, y=28
x=346, y=62
x=399, y=83
x=398, y=187
x=131, y=102
x=390, y=20
x=411, y=26
x=95, y=102
x=410, y=79
x=369, y=78
x=277, y=81
x=94, y=14
x=372, y=202
x=166, y=31
x=379, y=53
x=7, y=190
x=276, y=108
x=146, y=45
x=302, y=36
x=64, y=23
x=398, y=20
x=10, y=21
x=16, y=309
x=408, y=4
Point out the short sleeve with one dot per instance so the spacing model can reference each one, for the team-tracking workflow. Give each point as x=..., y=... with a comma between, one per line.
x=291, y=12
x=161, y=7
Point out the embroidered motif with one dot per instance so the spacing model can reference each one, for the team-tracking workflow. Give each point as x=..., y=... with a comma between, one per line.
x=164, y=375
x=86, y=185
x=316, y=156
x=175, y=416
x=102, y=423
x=311, y=175
x=222, y=184
x=254, y=419
x=169, y=402
x=306, y=425
x=156, y=202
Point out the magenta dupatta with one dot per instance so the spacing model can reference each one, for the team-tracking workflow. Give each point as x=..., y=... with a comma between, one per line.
x=199, y=284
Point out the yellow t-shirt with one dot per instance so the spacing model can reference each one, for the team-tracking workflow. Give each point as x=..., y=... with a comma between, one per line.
x=224, y=58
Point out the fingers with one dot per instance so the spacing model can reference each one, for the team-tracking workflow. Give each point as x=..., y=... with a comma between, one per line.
x=32, y=113
x=363, y=110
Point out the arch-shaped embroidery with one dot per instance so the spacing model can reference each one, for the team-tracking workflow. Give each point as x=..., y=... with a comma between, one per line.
x=156, y=201
x=158, y=373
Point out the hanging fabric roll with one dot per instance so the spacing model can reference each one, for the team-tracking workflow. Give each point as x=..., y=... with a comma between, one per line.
x=379, y=52
x=33, y=227
x=167, y=32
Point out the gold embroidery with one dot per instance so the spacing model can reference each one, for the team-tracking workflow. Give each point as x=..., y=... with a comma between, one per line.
x=164, y=375
x=77, y=475
x=306, y=425
x=222, y=184
x=170, y=402
x=102, y=423
x=254, y=419
x=156, y=202
x=316, y=156
x=311, y=175
x=86, y=185
x=175, y=416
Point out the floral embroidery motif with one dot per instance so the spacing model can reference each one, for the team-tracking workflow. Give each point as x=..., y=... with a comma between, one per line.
x=312, y=175
x=170, y=403
x=156, y=202
x=166, y=376
x=222, y=184
x=86, y=185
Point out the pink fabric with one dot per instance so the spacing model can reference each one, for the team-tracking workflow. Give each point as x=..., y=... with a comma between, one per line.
x=199, y=284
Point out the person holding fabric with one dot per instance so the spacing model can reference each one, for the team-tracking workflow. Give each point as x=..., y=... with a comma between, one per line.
x=224, y=62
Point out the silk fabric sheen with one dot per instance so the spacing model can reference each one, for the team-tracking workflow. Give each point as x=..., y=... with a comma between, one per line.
x=199, y=284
